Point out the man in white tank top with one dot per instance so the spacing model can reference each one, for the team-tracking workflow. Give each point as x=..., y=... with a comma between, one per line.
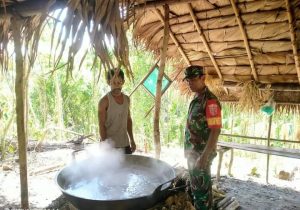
x=114, y=118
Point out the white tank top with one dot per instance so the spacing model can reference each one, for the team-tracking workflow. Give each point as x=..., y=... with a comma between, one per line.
x=116, y=121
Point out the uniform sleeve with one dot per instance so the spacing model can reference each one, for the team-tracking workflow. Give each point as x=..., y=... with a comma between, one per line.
x=213, y=114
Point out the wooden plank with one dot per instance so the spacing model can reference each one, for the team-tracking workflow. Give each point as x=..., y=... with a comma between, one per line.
x=259, y=138
x=291, y=153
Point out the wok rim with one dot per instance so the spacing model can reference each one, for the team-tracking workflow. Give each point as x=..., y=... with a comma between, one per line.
x=116, y=200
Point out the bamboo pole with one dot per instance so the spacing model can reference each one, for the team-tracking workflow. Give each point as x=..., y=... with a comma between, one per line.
x=293, y=38
x=264, y=79
x=268, y=155
x=245, y=38
x=170, y=83
x=277, y=87
x=204, y=41
x=20, y=110
x=159, y=83
x=174, y=40
x=154, y=4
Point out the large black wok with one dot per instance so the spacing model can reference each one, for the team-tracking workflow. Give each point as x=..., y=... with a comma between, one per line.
x=138, y=183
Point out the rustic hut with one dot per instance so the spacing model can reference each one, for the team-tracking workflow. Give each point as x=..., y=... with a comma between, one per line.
x=240, y=43
x=236, y=41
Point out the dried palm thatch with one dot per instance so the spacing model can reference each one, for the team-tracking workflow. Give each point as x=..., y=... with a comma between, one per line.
x=215, y=85
x=100, y=19
x=288, y=108
x=236, y=41
x=251, y=97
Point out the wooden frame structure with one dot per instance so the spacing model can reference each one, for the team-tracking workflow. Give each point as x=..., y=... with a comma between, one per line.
x=222, y=36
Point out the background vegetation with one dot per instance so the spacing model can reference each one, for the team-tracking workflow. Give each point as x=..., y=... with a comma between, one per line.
x=59, y=102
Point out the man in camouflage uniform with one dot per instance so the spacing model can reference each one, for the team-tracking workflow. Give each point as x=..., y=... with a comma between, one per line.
x=201, y=135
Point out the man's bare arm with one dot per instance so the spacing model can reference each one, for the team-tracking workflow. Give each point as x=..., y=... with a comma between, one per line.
x=129, y=130
x=102, y=108
x=209, y=148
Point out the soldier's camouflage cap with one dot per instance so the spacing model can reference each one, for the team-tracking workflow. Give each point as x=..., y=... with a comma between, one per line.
x=193, y=71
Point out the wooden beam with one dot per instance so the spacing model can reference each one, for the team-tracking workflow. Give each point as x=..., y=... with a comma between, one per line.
x=174, y=39
x=294, y=87
x=265, y=79
x=203, y=39
x=284, y=103
x=245, y=38
x=293, y=38
x=154, y=4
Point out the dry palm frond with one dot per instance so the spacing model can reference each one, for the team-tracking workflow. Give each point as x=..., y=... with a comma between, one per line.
x=101, y=19
x=251, y=98
x=215, y=85
x=288, y=108
x=4, y=38
x=177, y=77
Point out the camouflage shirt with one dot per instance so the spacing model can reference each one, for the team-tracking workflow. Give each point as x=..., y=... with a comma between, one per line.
x=204, y=113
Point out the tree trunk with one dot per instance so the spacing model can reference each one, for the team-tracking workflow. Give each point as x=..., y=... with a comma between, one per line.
x=21, y=111
x=59, y=107
x=159, y=83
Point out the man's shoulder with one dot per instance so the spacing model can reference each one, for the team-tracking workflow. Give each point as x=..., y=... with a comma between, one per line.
x=104, y=99
x=126, y=96
x=211, y=95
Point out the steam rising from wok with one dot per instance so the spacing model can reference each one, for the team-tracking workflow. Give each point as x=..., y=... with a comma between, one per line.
x=106, y=173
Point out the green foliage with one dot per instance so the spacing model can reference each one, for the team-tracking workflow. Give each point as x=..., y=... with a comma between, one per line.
x=82, y=90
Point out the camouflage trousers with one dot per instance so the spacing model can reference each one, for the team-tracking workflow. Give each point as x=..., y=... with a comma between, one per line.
x=200, y=181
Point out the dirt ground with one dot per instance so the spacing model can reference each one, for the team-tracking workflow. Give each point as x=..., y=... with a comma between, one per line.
x=251, y=192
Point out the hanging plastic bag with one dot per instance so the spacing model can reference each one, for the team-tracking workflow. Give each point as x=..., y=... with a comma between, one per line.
x=269, y=107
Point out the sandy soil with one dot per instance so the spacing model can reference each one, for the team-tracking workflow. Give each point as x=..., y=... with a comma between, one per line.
x=250, y=191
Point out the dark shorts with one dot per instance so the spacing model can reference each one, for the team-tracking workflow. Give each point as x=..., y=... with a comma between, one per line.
x=127, y=150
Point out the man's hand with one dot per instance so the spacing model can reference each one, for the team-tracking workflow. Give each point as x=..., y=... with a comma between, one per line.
x=202, y=161
x=132, y=146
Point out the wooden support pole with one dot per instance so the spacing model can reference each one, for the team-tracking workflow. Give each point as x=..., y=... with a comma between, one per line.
x=231, y=162
x=159, y=83
x=245, y=38
x=221, y=152
x=268, y=155
x=20, y=110
x=293, y=38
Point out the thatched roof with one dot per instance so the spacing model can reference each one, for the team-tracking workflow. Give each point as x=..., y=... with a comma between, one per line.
x=236, y=42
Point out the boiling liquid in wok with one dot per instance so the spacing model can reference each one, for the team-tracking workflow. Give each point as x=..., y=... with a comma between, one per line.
x=125, y=183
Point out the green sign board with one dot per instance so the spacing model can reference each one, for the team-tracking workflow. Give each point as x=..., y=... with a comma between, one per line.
x=151, y=81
